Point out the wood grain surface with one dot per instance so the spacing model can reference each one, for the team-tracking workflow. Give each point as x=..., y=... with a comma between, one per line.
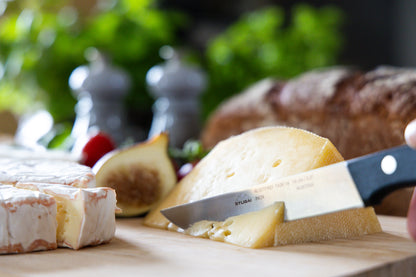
x=138, y=250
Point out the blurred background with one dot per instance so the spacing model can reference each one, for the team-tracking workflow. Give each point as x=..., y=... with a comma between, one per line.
x=69, y=64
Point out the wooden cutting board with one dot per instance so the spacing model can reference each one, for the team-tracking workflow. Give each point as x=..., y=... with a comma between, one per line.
x=138, y=250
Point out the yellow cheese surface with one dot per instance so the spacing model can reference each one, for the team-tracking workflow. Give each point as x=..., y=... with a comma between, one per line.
x=254, y=230
x=261, y=156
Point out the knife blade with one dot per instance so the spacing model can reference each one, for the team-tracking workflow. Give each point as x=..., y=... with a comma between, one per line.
x=355, y=183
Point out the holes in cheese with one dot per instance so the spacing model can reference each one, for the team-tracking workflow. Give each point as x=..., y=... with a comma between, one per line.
x=230, y=175
x=277, y=163
x=251, y=156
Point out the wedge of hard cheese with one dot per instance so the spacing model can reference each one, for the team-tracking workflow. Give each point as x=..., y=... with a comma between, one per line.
x=267, y=227
x=257, y=157
x=85, y=216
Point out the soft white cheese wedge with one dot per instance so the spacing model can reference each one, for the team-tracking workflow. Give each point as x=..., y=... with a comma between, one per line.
x=27, y=221
x=85, y=216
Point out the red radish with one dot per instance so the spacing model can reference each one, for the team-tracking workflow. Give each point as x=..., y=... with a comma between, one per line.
x=96, y=147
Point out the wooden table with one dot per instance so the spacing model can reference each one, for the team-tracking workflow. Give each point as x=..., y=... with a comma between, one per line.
x=138, y=250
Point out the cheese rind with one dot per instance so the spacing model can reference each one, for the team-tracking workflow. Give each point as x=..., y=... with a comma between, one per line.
x=4, y=233
x=343, y=224
x=80, y=216
x=46, y=171
x=28, y=221
x=263, y=156
x=86, y=216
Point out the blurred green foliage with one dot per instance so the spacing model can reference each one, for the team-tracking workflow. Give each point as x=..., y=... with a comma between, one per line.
x=192, y=151
x=42, y=42
x=270, y=43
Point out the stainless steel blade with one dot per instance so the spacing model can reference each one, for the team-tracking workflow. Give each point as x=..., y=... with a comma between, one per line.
x=319, y=191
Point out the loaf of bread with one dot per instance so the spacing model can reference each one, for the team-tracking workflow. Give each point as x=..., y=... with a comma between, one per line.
x=360, y=112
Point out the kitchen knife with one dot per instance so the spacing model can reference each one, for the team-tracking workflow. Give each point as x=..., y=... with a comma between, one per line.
x=355, y=183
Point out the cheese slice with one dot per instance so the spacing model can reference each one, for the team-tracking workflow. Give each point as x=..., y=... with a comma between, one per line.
x=267, y=227
x=85, y=216
x=262, y=156
x=46, y=171
x=254, y=230
x=27, y=221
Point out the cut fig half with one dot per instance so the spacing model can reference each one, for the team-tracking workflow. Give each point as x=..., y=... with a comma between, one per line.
x=142, y=175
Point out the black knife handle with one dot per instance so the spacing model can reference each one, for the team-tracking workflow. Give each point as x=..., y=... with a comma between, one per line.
x=376, y=175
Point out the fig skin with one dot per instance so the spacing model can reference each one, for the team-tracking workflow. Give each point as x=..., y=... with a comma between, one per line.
x=142, y=175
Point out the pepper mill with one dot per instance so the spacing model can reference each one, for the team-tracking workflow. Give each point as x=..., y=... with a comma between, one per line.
x=100, y=88
x=176, y=87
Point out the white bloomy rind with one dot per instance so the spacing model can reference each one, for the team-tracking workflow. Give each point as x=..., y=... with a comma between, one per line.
x=46, y=171
x=85, y=216
x=27, y=221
